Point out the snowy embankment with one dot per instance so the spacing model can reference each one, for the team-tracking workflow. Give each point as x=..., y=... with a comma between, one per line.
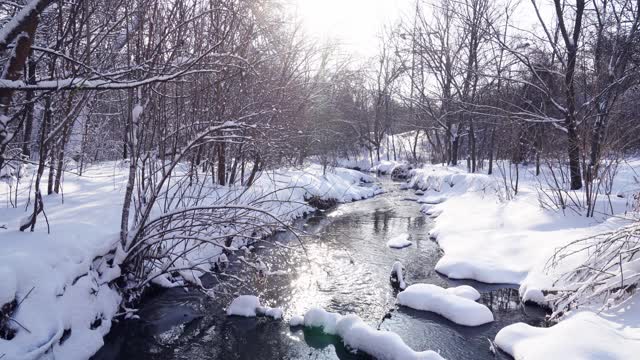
x=490, y=235
x=584, y=335
x=57, y=293
x=357, y=335
x=283, y=194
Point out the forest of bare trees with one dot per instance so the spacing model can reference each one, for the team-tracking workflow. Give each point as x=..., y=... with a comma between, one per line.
x=482, y=83
x=192, y=104
x=221, y=90
x=217, y=85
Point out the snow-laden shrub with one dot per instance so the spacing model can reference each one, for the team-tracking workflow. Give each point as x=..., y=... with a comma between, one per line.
x=607, y=270
x=195, y=224
x=601, y=192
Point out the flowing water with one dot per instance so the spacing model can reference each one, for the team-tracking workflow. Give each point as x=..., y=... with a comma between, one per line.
x=343, y=265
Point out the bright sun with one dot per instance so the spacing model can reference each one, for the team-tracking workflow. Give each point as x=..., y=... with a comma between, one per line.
x=354, y=23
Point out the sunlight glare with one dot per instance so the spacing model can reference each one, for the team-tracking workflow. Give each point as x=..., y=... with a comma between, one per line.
x=353, y=23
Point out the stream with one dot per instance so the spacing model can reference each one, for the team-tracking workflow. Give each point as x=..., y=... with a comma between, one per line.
x=344, y=267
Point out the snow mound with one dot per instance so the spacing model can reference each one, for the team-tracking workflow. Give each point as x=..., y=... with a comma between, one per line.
x=296, y=320
x=249, y=306
x=430, y=210
x=584, y=335
x=447, y=303
x=357, y=335
x=465, y=291
x=317, y=317
x=275, y=313
x=400, y=241
x=532, y=294
x=244, y=305
x=397, y=274
x=483, y=270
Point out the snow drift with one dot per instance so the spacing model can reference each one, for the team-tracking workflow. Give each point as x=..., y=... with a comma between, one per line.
x=455, y=304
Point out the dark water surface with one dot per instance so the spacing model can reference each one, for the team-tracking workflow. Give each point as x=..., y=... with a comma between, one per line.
x=344, y=267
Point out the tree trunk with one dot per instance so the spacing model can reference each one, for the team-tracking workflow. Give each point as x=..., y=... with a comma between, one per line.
x=454, y=150
x=242, y=164
x=232, y=173
x=254, y=170
x=472, y=145
x=28, y=124
x=24, y=34
x=66, y=133
x=597, y=135
x=83, y=144
x=574, y=157
x=222, y=173
x=491, y=150
x=52, y=160
x=571, y=43
x=37, y=205
x=131, y=178
x=414, y=148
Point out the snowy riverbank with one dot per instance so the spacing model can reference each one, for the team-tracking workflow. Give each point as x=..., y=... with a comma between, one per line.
x=59, y=289
x=488, y=238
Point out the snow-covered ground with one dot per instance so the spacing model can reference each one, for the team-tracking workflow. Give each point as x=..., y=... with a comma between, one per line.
x=490, y=235
x=64, y=296
x=62, y=286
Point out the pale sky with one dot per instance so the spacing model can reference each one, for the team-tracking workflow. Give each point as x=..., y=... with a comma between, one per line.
x=354, y=23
